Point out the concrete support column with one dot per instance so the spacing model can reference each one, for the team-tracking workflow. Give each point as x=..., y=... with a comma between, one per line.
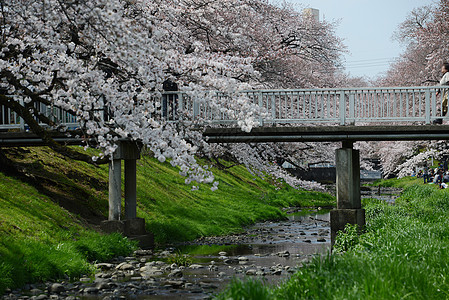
x=115, y=189
x=348, y=191
x=348, y=178
x=130, y=189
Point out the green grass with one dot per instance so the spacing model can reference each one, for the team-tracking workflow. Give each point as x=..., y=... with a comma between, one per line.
x=397, y=182
x=404, y=254
x=50, y=213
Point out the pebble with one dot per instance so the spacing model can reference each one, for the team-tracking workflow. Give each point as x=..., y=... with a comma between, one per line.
x=175, y=273
x=57, y=288
x=36, y=292
x=196, y=267
x=91, y=290
x=251, y=272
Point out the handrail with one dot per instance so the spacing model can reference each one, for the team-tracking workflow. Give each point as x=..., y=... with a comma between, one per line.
x=340, y=106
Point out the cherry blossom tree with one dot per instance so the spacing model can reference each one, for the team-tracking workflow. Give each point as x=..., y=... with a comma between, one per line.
x=105, y=63
x=424, y=33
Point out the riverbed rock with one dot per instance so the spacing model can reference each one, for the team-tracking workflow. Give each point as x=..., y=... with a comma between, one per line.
x=103, y=285
x=104, y=266
x=222, y=253
x=251, y=272
x=124, y=266
x=276, y=272
x=175, y=283
x=323, y=232
x=91, y=290
x=142, y=252
x=207, y=285
x=57, y=288
x=283, y=254
x=321, y=240
x=196, y=267
x=36, y=292
x=175, y=273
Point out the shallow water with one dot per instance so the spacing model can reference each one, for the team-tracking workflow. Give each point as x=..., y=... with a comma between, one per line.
x=274, y=249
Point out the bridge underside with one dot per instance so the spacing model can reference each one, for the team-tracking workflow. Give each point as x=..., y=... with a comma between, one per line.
x=328, y=134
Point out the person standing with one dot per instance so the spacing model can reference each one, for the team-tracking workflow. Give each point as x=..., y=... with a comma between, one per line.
x=444, y=94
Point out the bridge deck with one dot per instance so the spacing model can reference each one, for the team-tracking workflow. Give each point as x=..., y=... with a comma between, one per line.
x=23, y=139
x=328, y=134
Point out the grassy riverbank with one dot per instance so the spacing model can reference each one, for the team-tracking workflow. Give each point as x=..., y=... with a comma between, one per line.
x=403, y=254
x=50, y=209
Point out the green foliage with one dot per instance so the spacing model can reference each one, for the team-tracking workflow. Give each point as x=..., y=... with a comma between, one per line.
x=180, y=259
x=347, y=239
x=403, y=254
x=28, y=260
x=250, y=289
x=291, y=197
x=95, y=247
x=43, y=230
x=397, y=182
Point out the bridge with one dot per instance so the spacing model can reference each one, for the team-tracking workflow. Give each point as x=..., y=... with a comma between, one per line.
x=340, y=115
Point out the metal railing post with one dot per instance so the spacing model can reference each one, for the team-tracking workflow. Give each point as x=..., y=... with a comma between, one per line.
x=434, y=104
x=181, y=106
x=342, y=107
x=427, y=108
x=22, y=122
x=352, y=108
x=273, y=107
x=196, y=109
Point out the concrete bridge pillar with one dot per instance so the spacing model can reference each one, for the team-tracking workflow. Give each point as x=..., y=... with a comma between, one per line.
x=131, y=226
x=349, y=209
x=115, y=189
x=130, y=189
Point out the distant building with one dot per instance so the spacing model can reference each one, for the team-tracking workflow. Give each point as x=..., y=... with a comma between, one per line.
x=312, y=12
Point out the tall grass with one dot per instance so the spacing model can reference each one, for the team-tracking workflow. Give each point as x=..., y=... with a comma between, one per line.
x=42, y=240
x=30, y=260
x=404, y=254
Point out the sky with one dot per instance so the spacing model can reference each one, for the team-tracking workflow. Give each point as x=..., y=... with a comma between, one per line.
x=367, y=27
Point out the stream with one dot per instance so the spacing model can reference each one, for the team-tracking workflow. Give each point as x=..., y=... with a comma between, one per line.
x=270, y=251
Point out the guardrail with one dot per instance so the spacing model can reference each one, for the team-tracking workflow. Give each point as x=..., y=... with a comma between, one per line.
x=303, y=106
x=339, y=106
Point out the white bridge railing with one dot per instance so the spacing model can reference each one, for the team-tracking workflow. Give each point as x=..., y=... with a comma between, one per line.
x=338, y=106
x=420, y=105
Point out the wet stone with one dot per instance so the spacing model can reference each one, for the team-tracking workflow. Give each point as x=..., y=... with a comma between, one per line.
x=36, y=292
x=251, y=272
x=196, y=267
x=57, y=288
x=175, y=273
x=91, y=290
x=104, y=266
